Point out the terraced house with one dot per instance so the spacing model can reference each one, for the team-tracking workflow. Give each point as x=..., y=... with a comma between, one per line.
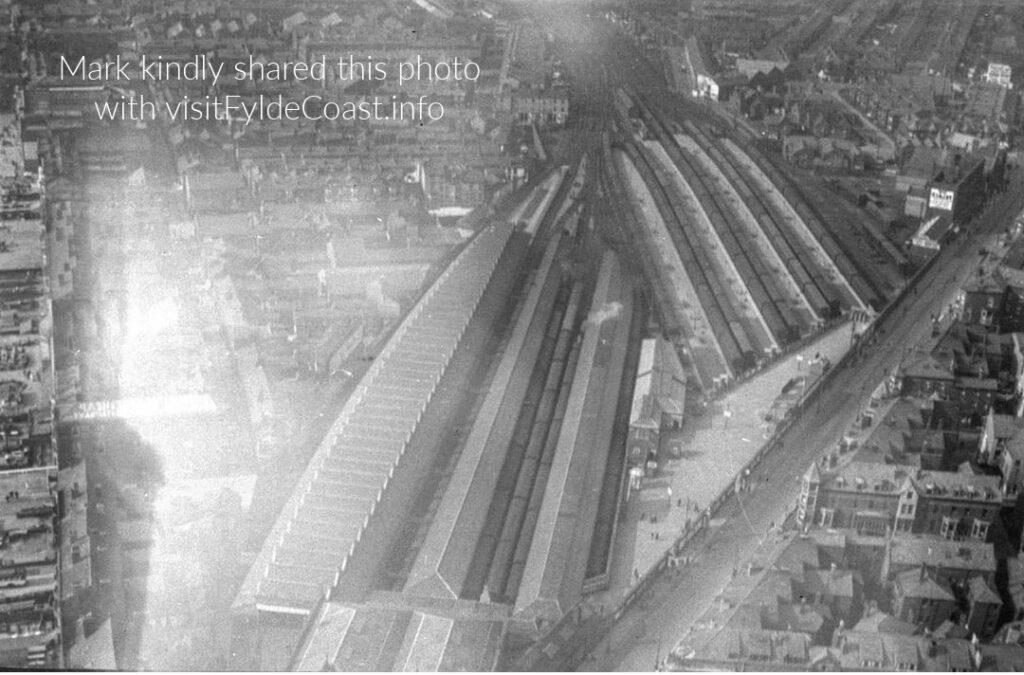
x=874, y=498
x=30, y=629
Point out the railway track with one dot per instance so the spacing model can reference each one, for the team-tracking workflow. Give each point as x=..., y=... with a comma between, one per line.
x=714, y=250
x=781, y=318
x=825, y=299
x=848, y=262
x=798, y=228
x=524, y=476
x=863, y=284
x=732, y=338
x=675, y=325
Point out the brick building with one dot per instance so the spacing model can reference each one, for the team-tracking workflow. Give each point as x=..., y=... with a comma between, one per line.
x=546, y=108
x=874, y=498
x=658, y=399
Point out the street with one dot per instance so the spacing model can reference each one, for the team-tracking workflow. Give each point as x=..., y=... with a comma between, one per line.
x=649, y=628
x=675, y=602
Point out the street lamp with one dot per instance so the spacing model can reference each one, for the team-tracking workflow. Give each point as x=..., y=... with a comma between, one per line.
x=657, y=655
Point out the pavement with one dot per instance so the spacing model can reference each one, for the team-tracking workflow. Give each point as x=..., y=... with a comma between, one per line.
x=714, y=449
x=642, y=635
x=674, y=600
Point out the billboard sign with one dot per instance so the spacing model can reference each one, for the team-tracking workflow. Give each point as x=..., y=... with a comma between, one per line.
x=941, y=199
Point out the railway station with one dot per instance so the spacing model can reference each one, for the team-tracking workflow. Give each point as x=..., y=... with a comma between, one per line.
x=317, y=532
x=514, y=531
x=519, y=521
x=726, y=220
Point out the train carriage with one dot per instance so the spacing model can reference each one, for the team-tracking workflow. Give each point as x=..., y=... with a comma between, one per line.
x=743, y=258
x=712, y=302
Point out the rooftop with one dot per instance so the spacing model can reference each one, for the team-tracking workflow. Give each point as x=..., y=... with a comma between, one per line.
x=399, y=632
x=928, y=366
x=981, y=591
x=950, y=485
x=21, y=245
x=872, y=477
x=865, y=475
x=935, y=551
x=305, y=552
x=660, y=387
x=880, y=622
x=761, y=647
x=862, y=650
x=915, y=584
x=28, y=541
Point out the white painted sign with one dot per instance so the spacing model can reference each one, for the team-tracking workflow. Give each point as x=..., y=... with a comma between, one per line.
x=941, y=199
x=142, y=408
